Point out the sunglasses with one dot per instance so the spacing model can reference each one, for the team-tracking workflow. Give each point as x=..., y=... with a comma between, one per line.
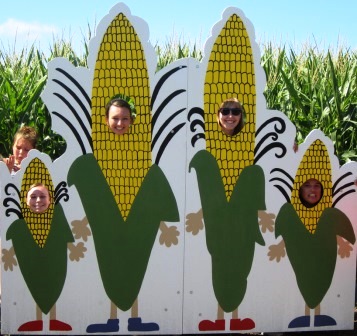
x=226, y=110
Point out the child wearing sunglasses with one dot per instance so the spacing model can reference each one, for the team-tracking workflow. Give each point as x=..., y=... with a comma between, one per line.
x=230, y=116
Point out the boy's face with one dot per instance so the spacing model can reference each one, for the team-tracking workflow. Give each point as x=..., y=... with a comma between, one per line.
x=20, y=149
x=38, y=199
x=119, y=119
x=311, y=191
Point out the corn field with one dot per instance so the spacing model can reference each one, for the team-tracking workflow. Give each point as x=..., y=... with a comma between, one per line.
x=315, y=89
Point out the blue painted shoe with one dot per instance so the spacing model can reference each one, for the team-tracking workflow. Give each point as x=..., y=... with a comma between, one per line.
x=135, y=324
x=300, y=322
x=112, y=325
x=324, y=320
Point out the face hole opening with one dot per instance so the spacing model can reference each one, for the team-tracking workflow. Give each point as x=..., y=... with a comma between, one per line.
x=38, y=198
x=311, y=192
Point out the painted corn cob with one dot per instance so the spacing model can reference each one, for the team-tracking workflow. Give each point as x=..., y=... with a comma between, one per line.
x=40, y=240
x=315, y=164
x=124, y=195
x=121, y=69
x=310, y=234
x=230, y=73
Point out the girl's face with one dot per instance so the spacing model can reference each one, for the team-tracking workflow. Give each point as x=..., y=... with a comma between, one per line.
x=38, y=199
x=229, y=117
x=119, y=119
x=20, y=149
x=311, y=191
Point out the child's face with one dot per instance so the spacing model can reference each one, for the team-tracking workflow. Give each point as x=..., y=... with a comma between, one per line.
x=38, y=199
x=229, y=117
x=119, y=119
x=20, y=149
x=311, y=191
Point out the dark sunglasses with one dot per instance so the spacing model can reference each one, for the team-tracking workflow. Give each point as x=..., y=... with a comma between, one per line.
x=226, y=110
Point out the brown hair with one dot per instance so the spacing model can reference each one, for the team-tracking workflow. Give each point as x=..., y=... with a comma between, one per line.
x=28, y=133
x=119, y=103
x=306, y=203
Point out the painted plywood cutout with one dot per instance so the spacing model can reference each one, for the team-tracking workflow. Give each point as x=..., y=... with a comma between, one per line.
x=174, y=223
x=225, y=218
x=42, y=242
x=316, y=233
x=231, y=186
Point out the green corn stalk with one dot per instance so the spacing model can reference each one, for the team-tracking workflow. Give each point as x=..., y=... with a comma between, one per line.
x=315, y=89
x=22, y=79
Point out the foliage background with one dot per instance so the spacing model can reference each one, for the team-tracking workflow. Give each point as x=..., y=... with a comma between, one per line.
x=314, y=88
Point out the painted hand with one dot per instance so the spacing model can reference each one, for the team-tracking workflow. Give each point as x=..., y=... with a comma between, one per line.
x=194, y=222
x=168, y=235
x=76, y=251
x=277, y=251
x=8, y=258
x=266, y=221
x=81, y=229
x=344, y=248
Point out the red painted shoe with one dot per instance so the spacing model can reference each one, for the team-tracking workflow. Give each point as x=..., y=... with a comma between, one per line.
x=207, y=325
x=36, y=325
x=59, y=325
x=245, y=324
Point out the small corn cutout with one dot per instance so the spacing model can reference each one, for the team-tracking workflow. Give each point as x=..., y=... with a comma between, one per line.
x=315, y=164
x=38, y=223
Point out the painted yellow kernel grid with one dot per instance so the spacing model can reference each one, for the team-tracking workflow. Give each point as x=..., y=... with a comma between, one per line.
x=121, y=69
x=315, y=164
x=38, y=224
x=230, y=73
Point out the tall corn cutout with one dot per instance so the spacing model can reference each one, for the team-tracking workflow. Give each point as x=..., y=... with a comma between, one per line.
x=124, y=195
x=232, y=188
x=40, y=244
x=121, y=69
x=311, y=234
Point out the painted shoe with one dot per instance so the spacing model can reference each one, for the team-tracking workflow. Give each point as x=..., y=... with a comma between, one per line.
x=245, y=324
x=135, y=324
x=324, y=320
x=112, y=325
x=36, y=325
x=59, y=325
x=207, y=325
x=300, y=322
